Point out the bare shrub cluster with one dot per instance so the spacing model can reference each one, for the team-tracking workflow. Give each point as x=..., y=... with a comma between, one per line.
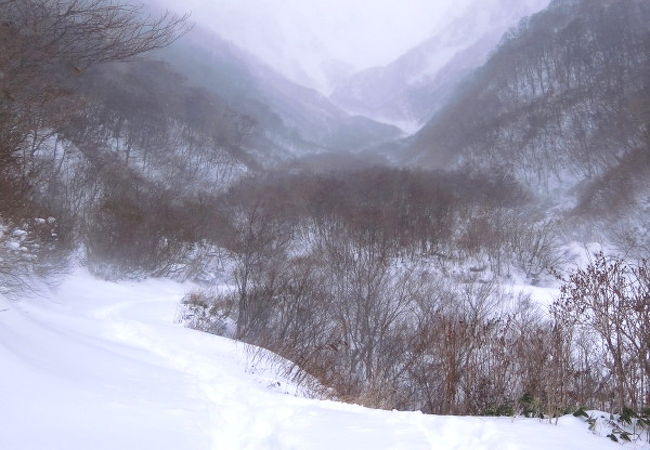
x=605, y=308
x=447, y=217
x=393, y=334
x=347, y=276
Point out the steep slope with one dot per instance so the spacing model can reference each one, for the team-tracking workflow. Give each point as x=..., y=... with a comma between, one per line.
x=147, y=117
x=564, y=105
x=409, y=90
x=102, y=365
x=564, y=99
x=295, y=119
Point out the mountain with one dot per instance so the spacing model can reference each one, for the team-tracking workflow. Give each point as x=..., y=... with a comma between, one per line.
x=567, y=79
x=320, y=43
x=564, y=104
x=295, y=120
x=409, y=90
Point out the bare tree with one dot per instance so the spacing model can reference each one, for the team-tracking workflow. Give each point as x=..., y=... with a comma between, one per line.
x=610, y=299
x=45, y=43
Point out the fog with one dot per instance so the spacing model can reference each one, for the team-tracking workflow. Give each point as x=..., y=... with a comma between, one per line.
x=316, y=42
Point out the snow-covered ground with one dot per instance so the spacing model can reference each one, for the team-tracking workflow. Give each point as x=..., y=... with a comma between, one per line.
x=97, y=365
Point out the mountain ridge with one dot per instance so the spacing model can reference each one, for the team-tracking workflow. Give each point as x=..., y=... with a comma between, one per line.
x=414, y=86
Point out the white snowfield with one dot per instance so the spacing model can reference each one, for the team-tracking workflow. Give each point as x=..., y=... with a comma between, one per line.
x=98, y=365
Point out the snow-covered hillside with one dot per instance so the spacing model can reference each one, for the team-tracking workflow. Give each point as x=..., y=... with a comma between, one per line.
x=100, y=365
x=408, y=91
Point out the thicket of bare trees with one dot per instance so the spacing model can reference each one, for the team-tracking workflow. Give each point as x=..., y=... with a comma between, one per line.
x=46, y=44
x=44, y=47
x=370, y=319
x=485, y=219
x=354, y=277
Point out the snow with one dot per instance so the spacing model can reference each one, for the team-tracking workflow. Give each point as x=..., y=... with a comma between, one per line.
x=13, y=245
x=100, y=365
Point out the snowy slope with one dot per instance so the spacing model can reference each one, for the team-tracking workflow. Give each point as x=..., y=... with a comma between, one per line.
x=98, y=365
x=295, y=119
x=409, y=90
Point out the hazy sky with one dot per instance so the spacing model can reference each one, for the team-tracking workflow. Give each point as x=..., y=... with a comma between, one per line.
x=314, y=41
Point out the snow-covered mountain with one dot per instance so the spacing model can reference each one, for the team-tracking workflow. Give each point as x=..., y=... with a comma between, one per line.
x=546, y=113
x=318, y=43
x=573, y=129
x=295, y=119
x=409, y=90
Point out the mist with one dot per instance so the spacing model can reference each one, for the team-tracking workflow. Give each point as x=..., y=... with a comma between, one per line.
x=318, y=42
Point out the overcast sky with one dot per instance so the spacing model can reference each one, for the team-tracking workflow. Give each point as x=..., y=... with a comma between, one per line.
x=312, y=41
